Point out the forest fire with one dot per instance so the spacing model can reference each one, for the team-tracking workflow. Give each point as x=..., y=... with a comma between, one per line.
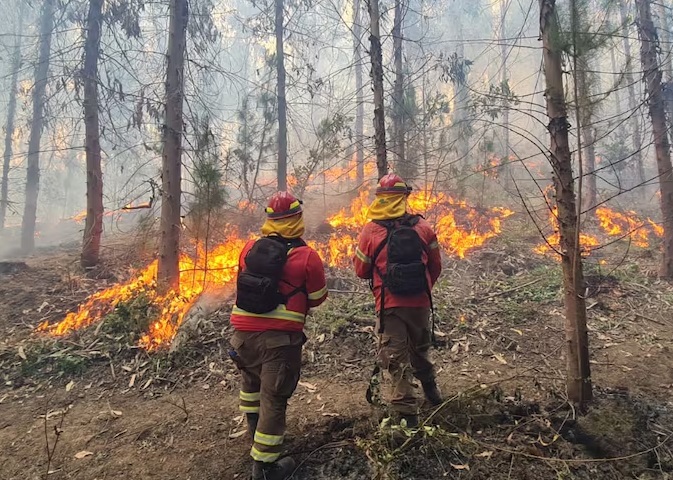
x=460, y=227
x=216, y=267
x=613, y=224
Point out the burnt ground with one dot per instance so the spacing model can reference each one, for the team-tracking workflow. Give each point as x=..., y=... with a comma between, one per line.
x=107, y=409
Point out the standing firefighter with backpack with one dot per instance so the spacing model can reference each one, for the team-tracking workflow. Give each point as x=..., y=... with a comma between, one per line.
x=279, y=279
x=399, y=254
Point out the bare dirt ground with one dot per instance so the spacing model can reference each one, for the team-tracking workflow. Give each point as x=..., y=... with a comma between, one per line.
x=95, y=406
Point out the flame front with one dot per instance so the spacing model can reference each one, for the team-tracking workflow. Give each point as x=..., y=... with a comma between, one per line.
x=460, y=228
x=612, y=224
x=217, y=267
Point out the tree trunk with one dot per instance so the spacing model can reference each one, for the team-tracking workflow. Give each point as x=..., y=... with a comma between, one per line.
x=39, y=89
x=648, y=56
x=665, y=38
x=504, y=5
x=667, y=65
x=398, y=93
x=578, y=370
x=169, y=256
x=377, y=82
x=587, y=138
x=633, y=104
x=616, y=93
x=282, y=102
x=11, y=118
x=359, y=94
x=461, y=114
x=93, y=227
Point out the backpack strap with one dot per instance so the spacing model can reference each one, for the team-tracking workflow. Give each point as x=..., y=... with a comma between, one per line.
x=291, y=244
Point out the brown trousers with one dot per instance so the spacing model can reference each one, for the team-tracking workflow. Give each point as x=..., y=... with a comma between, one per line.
x=270, y=365
x=405, y=342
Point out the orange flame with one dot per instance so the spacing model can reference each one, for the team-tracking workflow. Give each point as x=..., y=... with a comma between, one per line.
x=623, y=225
x=216, y=268
x=656, y=228
x=460, y=229
x=613, y=224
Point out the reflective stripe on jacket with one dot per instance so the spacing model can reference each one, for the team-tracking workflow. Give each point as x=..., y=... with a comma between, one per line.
x=303, y=268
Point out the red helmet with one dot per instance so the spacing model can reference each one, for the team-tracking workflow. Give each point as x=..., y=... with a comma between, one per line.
x=392, y=183
x=283, y=205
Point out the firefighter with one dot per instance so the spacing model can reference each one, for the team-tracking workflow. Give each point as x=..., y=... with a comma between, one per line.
x=400, y=251
x=280, y=278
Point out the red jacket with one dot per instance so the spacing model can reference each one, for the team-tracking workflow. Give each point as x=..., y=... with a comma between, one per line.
x=303, y=267
x=370, y=239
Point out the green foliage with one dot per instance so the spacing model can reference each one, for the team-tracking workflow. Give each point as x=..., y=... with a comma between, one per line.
x=131, y=318
x=329, y=135
x=454, y=69
x=41, y=357
x=499, y=98
x=71, y=364
x=255, y=136
x=614, y=151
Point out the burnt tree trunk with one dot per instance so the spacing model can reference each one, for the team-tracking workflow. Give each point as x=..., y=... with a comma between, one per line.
x=93, y=227
x=37, y=123
x=648, y=56
x=578, y=370
x=633, y=103
x=377, y=84
x=398, y=92
x=169, y=256
x=282, y=101
x=359, y=96
x=11, y=118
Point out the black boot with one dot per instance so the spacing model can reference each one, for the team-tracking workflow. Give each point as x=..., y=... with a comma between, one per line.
x=278, y=470
x=252, y=419
x=432, y=393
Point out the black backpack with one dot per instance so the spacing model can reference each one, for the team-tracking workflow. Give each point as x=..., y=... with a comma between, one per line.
x=257, y=286
x=405, y=271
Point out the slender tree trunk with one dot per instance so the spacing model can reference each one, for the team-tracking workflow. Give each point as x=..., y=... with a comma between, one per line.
x=39, y=89
x=616, y=93
x=359, y=94
x=631, y=89
x=282, y=102
x=621, y=129
x=169, y=256
x=377, y=82
x=667, y=62
x=578, y=370
x=93, y=227
x=504, y=5
x=424, y=87
x=587, y=138
x=11, y=118
x=398, y=92
x=648, y=56
x=461, y=113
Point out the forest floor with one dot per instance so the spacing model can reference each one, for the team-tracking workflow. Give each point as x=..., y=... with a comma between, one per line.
x=93, y=405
